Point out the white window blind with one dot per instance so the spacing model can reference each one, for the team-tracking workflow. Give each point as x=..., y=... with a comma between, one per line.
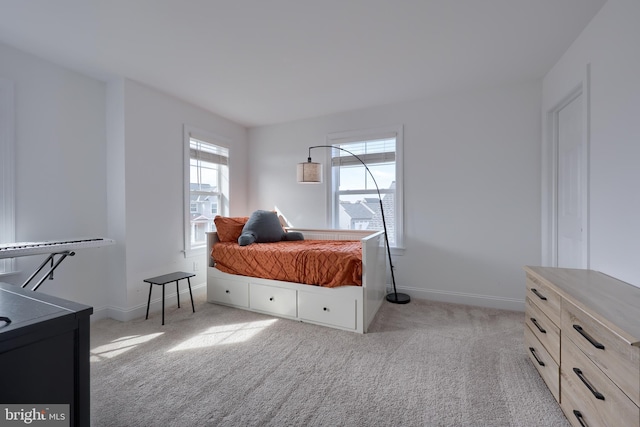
x=371, y=152
x=200, y=150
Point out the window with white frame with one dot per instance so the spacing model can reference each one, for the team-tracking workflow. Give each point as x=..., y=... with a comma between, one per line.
x=355, y=203
x=7, y=172
x=206, y=186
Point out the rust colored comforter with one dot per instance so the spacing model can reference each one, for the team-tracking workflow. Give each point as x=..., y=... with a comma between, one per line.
x=328, y=263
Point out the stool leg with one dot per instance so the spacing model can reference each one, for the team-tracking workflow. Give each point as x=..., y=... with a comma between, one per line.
x=162, y=304
x=178, y=293
x=192, y=306
x=149, y=300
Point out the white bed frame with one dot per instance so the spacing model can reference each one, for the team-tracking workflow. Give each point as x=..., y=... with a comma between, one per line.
x=351, y=308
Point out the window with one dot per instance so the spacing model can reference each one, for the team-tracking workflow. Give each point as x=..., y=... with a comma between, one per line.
x=355, y=203
x=7, y=172
x=206, y=186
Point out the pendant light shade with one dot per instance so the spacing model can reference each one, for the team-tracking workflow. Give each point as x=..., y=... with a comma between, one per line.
x=309, y=172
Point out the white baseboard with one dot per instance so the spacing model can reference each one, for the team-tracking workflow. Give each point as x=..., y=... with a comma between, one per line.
x=127, y=314
x=487, y=301
x=139, y=311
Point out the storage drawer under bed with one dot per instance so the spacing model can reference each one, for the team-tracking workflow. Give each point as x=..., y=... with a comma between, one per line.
x=273, y=300
x=228, y=292
x=327, y=310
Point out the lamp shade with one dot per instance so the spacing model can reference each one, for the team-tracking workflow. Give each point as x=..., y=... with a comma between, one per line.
x=309, y=173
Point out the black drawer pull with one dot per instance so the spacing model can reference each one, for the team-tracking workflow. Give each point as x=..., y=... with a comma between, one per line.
x=535, y=322
x=588, y=337
x=325, y=309
x=595, y=392
x=227, y=291
x=580, y=418
x=271, y=299
x=533, y=351
x=539, y=295
x=5, y=319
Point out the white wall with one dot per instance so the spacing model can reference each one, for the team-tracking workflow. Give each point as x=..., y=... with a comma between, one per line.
x=60, y=170
x=610, y=44
x=472, y=188
x=146, y=188
x=106, y=160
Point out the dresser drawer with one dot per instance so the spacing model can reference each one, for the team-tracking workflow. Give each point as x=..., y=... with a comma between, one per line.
x=229, y=292
x=614, y=356
x=327, y=310
x=270, y=299
x=544, y=297
x=544, y=363
x=588, y=397
x=544, y=329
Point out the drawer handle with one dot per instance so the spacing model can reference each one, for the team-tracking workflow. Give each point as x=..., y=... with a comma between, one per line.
x=270, y=298
x=588, y=337
x=538, y=294
x=533, y=351
x=595, y=392
x=580, y=418
x=227, y=291
x=5, y=319
x=325, y=309
x=535, y=322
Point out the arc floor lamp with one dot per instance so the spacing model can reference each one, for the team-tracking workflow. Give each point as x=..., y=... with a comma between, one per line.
x=311, y=173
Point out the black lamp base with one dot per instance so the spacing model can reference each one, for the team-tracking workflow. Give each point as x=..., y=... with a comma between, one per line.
x=398, y=298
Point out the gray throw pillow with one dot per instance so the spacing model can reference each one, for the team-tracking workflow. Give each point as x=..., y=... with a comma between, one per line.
x=262, y=227
x=293, y=236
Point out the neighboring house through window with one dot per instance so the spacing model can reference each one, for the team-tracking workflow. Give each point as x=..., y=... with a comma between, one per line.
x=206, y=185
x=354, y=203
x=7, y=172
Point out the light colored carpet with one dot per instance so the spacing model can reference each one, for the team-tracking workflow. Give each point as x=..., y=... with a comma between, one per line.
x=421, y=364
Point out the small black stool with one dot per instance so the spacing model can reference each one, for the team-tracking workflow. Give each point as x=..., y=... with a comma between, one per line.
x=168, y=278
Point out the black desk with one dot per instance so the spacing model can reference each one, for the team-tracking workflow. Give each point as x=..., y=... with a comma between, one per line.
x=168, y=278
x=44, y=351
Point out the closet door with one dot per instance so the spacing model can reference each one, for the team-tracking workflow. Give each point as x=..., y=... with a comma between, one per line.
x=571, y=185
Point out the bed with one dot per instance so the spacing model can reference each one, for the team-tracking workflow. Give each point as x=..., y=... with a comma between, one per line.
x=349, y=307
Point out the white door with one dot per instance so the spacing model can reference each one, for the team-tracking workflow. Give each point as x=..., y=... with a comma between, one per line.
x=571, y=186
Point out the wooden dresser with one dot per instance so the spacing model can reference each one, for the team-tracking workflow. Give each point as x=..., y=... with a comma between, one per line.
x=582, y=334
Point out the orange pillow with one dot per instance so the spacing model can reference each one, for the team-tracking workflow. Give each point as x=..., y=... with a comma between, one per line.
x=229, y=228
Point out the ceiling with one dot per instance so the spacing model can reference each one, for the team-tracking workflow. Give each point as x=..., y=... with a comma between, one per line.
x=260, y=62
